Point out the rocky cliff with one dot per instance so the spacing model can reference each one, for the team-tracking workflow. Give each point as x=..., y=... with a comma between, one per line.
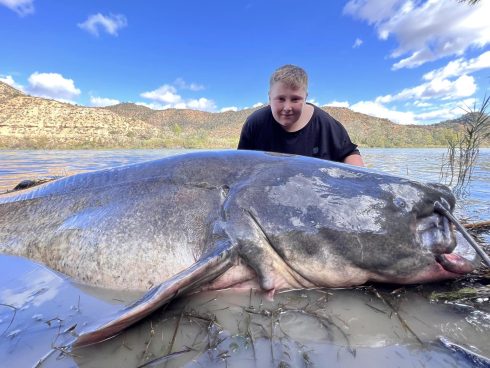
x=32, y=121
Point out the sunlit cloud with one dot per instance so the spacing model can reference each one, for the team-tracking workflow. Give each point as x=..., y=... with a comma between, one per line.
x=181, y=84
x=153, y=105
x=52, y=85
x=21, y=7
x=459, y=67
x=202, y=103
x=375, y=108
x=425, y=30
x=357, y=43
x=229, y=108
x=167, y=97
x=111, y=24
x=337, y=104
x=165, y=94
x=103, y=102
x=422, y=104
x=8, y=79
x=437, y=88
x=425, y=114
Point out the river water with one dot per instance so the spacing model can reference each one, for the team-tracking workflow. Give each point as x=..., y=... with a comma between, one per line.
x=378, y=325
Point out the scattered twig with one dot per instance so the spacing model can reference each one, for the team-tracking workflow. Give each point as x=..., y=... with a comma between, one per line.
x=164, y=358
x=206, y=302
x=64, y=350
x=252, y=341
x=400, y=318
x=272, y=338
x=152, y=333
x=172, y=342
x=12, y=319
x=375, y=309
x=483, y=225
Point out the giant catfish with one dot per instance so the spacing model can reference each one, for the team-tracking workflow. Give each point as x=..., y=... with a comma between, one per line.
x=230, y=219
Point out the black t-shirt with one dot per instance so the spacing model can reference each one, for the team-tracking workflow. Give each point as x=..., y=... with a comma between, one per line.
x=323, y=137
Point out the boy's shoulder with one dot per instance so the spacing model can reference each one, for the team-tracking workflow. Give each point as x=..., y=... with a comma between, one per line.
x=263, y=114
x=262, y=111
x=324, y=117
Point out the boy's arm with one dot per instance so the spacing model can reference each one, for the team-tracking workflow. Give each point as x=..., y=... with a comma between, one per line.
x=245, y=141
x=354, y=159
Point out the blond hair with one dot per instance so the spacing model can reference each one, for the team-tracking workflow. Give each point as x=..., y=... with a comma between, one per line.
x=291, y=75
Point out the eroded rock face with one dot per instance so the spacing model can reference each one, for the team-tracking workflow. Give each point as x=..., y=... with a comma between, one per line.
x=52, y=123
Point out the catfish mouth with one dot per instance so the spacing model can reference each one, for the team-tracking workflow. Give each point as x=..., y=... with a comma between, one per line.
x=455, y=263
x=436, y=234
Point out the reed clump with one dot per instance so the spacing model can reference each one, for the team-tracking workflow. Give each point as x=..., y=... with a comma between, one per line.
x=463, y=149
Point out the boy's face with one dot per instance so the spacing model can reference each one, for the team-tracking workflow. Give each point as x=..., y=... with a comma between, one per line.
x=286, y=104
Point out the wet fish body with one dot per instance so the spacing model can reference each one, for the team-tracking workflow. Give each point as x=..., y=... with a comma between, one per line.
x=220, y=219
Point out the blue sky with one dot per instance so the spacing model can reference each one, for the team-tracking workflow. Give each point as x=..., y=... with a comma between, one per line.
x=413, y=62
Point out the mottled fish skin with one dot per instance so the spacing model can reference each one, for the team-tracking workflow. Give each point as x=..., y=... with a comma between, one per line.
x=219, y=219
x=136, y=226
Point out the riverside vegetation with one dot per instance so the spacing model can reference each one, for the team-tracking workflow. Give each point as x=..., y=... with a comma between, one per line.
x=28, y=122
x=463, y=149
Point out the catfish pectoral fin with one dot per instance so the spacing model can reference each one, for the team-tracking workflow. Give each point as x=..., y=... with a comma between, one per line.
x=204, y=270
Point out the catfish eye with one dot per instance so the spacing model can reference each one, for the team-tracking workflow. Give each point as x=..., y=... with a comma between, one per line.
x=400, y=203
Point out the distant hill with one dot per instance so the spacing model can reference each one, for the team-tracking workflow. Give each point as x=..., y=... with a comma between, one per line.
x=191, y=128
x=223, y=129
x=33, y=122
x=460, y=122
x=7, y=92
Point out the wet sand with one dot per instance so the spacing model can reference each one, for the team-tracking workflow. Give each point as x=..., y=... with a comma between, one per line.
x=40, y=311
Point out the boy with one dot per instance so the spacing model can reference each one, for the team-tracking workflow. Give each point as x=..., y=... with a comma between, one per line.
x=290, y=125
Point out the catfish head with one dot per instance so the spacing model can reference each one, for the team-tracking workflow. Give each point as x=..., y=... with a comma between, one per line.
x=337, y=225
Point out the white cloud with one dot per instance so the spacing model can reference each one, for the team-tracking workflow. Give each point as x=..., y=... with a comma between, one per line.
x=464, y=86
x=21, y=7
x=357, y=43
x=448, y=111
x=180, y=83
x=375, y=108
x=430, y=115
x=422, y=104
x=372, y=11
x=438, y=115
x=202, y=103
x=258, y=104
x=166, y=94
x=337, y=104
x=425, y=30
x=52, y=85
x=467, y=104
x=8, y=79
x=167, y=97
x=460, y=66
x=154, y=106
x=111, y=23
x=230, y=108
x=102, y=101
